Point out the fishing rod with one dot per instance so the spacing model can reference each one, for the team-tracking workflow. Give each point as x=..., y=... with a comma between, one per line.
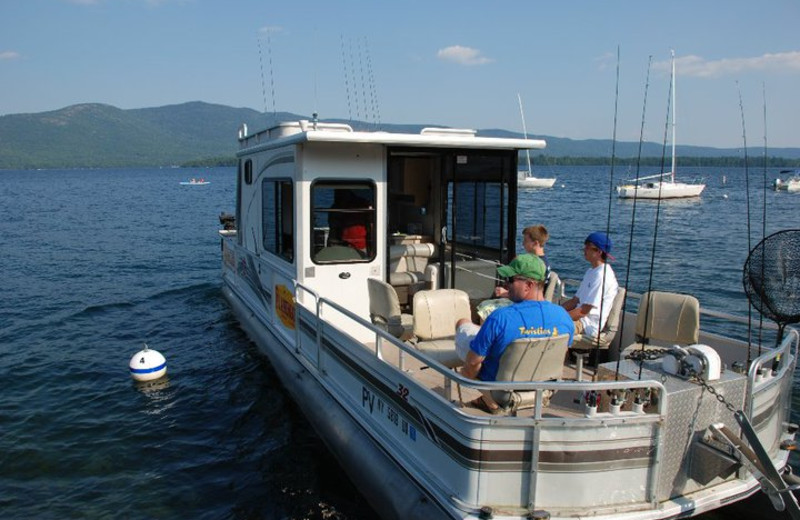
x=670, y=108
x=608, y=213
x=613, y=147
x=747, y=213
x=764, y=214
x=635, y=198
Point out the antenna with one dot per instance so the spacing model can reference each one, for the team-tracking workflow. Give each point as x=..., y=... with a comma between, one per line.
x=363, y=82
x=346, y=78
x=355, y=80
x=372, y=88
x=263, y=85
x=271, y=75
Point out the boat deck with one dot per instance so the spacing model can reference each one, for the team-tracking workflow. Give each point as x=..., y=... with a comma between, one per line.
x=460, y=395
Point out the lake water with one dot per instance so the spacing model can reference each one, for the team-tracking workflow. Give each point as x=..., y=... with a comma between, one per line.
x=98, y=262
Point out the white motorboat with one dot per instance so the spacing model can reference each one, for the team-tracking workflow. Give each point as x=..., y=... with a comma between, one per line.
x=525, y=178
x=790, y=184
x=662, y=185
x=355, y=252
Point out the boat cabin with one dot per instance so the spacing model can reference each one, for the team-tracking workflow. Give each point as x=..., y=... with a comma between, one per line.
x=331, y=207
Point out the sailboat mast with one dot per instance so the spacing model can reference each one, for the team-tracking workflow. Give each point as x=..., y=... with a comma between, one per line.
x=524, y=133
x=673, y=116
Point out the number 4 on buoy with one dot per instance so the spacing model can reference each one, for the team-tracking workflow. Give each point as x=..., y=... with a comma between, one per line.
x=148, y=365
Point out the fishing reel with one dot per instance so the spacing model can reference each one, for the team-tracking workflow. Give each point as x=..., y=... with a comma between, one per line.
x=700, y=360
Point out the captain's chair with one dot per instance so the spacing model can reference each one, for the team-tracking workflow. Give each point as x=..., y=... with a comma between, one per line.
x=665, y=319
x=530, y=359
x=609, y=331
x=384, y=309
x=410, y=269
x=596, y=347
x=435, y=316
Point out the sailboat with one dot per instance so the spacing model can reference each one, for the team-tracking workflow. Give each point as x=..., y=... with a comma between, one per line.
x=662, y=185
x=525, y=178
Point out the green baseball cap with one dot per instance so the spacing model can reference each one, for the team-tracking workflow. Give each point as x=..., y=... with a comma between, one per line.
x=527, y=265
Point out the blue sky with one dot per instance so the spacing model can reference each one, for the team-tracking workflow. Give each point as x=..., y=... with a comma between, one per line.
x=457, y=63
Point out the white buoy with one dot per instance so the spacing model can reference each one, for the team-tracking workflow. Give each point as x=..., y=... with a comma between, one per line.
x=725, y=196
x=148, y=365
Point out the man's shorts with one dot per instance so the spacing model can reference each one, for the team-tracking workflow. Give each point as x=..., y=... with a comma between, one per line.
x=465, y=333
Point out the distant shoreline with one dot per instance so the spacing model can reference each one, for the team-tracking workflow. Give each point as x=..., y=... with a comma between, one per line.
x=540, y=162
x=697, y=162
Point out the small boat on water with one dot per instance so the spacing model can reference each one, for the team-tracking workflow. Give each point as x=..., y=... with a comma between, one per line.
x=525, y=178
x=790, y=184
x=195, y=182
x=662, y=185
x=348, y=260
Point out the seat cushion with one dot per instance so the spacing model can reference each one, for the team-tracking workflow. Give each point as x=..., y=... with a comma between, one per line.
x=442, y=350
x=581, y=342
x=406, y=278
x=436, y=313
x=409, y=258
x=668, y=317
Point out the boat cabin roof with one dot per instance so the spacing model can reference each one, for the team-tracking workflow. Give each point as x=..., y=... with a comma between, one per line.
x=296, y=132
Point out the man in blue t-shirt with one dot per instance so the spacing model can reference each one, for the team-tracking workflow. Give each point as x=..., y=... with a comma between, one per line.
x=529, y=317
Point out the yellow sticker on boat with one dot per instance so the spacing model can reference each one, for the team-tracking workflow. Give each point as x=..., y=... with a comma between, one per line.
x=284, y=305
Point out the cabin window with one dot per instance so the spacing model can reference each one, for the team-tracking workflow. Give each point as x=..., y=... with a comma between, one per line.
x=248, y=172
x=478, y=214
x=343, y=220
x=478, y=202
x=277, y=217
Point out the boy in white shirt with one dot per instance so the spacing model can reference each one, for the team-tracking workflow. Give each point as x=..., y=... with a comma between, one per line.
x=597, y=289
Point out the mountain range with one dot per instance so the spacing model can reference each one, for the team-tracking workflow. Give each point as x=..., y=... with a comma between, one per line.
x=102, y=136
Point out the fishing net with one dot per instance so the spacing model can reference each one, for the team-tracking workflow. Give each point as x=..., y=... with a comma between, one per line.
x=772, y=277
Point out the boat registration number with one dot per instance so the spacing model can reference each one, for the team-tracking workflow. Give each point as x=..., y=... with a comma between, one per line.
x=376, y=406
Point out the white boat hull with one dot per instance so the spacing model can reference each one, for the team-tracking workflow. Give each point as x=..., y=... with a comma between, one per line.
x=343, y=434
x=660, y=190
x=536, y=182
x=790, y=185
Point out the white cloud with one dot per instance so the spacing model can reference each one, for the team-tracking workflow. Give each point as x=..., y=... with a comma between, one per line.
x=606, y=61
x=462, y=55
x=9, y=55
x=701, y=68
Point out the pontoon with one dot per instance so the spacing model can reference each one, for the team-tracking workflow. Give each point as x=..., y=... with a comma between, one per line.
x=353, y=255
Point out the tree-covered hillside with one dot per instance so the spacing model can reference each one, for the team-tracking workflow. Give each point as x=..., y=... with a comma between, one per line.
x=96, y=136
